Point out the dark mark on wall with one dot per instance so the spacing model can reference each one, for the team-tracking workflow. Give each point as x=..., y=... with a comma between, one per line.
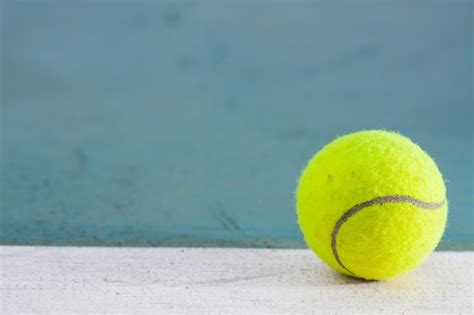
x=82, y=159
x=225, y=220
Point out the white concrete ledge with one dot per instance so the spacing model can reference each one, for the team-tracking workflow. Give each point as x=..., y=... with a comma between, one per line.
x=192, y=280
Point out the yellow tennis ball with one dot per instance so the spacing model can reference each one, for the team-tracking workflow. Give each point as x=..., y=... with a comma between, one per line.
x=372, y=204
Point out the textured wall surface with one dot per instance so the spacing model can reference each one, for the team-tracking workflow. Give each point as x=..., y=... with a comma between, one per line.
x=154, y=123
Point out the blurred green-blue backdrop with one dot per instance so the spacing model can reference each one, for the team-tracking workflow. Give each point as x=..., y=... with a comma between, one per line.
x=187, y=123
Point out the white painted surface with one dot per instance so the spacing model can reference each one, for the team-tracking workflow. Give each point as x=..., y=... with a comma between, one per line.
x=182, y=280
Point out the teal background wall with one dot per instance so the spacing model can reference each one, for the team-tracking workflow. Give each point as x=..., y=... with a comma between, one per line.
x=158, y=123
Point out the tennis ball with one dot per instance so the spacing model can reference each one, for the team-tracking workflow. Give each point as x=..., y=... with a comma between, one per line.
x=372, y=204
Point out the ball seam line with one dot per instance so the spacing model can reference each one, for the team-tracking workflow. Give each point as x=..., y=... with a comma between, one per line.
x=375, y=201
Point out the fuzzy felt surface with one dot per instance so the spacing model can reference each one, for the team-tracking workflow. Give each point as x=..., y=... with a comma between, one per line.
x=381, y=239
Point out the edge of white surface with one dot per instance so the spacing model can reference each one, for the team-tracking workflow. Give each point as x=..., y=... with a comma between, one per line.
x=212, y=280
